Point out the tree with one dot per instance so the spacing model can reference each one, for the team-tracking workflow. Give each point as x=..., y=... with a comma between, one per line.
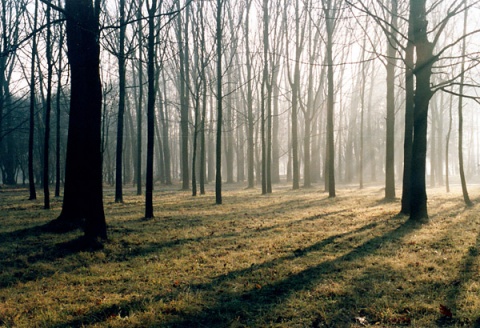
x=295, y=86
x=138, y=170
x=152, y=9
x=250, y=123
x=31, y=176
x=184, y=81
x=423, y=93
x=121, y=105
x=409, y=117
x=58, y=114
x=83, y=199
x=329, y=10
x=466, y=198
x=390, y=142
x=218, y=174
x=48, y=113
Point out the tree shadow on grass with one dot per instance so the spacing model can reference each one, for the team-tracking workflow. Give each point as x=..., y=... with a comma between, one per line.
x=468, y=270
x=259, y=301
x=249, y=306
x=23, y=251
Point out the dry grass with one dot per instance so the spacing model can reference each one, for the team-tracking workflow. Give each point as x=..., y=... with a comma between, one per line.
x=290, y=259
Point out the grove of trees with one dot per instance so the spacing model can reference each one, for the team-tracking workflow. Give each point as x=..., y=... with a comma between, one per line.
x=357, y=92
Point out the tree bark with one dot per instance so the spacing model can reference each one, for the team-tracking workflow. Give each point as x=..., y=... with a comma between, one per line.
x=48, y=114
x=83, y=199
x=390, y=137
x=409, y=113
x=330, y=22
x=218, y=174
x=150, y=110
x=466, y=198
x=31, y=137
x=423, y=94
x=121, y=106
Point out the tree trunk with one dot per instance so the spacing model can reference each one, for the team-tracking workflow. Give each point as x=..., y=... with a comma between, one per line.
x=329, y=21
x=447, y=144
x=59, y=92
x=48, y=113
x=184, y=96
x=83, y=199
x=409, y=113
x=466, y=198
x=139, y=112
x=218, y=175
x=31, y=137
x=150, y=110
x=121, y=106
x=390, y=137
x=423, y=94
x=250, y=140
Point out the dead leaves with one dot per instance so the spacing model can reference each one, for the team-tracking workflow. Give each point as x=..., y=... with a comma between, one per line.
x=445, y=311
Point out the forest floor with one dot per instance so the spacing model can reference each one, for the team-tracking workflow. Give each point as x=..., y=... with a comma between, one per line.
x=289, y=259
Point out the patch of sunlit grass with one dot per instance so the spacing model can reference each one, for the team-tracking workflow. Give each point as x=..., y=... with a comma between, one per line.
x=290, y=259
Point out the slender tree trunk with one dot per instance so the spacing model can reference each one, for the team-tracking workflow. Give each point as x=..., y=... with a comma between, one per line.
x=250, y=127
x=390, y=137
x=218, y=175
x=447, y=144
x=295, y=94
x=121, y=107
x=31, y=137
x=202, y=135
x=166, y=134
x=433, y=143
x=48, y=112
x=330, y=22
x=59, y=93
x=466, y=198
x=262, y=137
x=184, y=96
x=275, y=129
x=139, y=112
x=150, y=110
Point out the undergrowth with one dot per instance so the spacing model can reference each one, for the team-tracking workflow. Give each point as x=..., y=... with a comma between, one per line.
x=289, y=259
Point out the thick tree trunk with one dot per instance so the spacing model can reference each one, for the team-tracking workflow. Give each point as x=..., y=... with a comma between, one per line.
x=423, y=94
x=409, y=112
x=83, y=199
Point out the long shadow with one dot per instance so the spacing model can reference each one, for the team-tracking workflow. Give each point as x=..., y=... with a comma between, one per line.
x=262, y=300
x=20, y=250
x=467, y=272
x=249, y=305
x=151, y=248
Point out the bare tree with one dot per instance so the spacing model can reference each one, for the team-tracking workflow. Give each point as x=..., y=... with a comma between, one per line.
x=152, y=10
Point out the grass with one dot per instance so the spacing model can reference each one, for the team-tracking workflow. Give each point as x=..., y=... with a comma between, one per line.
x=290, y=259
